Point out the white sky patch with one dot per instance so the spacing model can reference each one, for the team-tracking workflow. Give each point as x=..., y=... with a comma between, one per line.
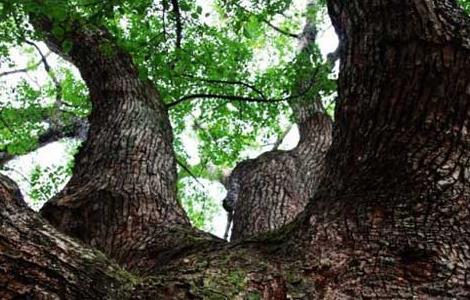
x=21, y=168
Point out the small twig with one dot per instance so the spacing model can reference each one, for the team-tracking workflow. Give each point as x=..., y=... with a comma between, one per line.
x=281, y=31
x=23, y=70
x=228, y=97
x=242, y=98
x=187, y=170
x=58, y=87
x=234, y=82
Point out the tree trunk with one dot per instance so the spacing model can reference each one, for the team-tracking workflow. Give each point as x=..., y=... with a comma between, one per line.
x=121, y=198
x=391, y=219
x=271, y=190
x=37, y=262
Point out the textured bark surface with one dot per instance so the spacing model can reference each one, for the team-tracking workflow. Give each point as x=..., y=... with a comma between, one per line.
x=37, y=262
x=391, y=219
x=271, y=190
x=121, y=198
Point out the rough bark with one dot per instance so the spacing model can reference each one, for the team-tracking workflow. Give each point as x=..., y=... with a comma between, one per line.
x=391, y=218
x=271, y=190
x=121, y=198
x=38, y=262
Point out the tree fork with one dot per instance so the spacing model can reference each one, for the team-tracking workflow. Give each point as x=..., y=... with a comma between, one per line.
x=391, y=217
x=38, y=262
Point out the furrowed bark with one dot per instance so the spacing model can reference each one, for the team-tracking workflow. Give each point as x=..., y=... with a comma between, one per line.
x=38, y=262
x=271, y=190
x=391, y=219
x=121, y=198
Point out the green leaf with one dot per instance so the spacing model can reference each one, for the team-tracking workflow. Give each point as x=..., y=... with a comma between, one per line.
x=67, y=46
x=58, y=32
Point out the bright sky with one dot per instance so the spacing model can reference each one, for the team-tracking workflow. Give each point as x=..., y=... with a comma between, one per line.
x=55, y=154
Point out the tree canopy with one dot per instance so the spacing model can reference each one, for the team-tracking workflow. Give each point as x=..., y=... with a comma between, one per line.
x=225, y=69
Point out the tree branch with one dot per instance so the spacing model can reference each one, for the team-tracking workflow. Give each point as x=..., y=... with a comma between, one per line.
x=22, y=70
x=234, y=82
x=187, y=170
x=281, y=31
x=281, y=138
x=49, y=71
x=243, y=98
x=179, y=24
x=228, y=97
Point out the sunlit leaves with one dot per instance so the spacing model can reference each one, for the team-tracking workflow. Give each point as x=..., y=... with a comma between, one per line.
x=200, y=206
x=20, y=119
x=75, y=94
x=465, y=4
x=47, y=181
x=227, y=48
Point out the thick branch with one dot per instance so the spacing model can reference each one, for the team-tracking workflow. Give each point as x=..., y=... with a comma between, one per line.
x=267, y=192
x=396, y=194
x=39, y=262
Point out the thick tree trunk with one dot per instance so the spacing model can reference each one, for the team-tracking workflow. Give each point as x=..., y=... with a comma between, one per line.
x=121, y=198
x=272, y=189
x=38, y=262
x=391, y=219
x=269, y=191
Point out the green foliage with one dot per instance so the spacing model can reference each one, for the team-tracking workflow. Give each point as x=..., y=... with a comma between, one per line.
x=47, y=181
x=20, y=118
x=75, y=94
x=465, y=4
x=228, y=49
x=198, y=204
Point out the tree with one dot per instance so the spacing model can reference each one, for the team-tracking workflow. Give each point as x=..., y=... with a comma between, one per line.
x=270, y=191
x=389, y=217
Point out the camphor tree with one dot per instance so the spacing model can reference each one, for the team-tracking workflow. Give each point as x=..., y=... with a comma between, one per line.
x=389, y=217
